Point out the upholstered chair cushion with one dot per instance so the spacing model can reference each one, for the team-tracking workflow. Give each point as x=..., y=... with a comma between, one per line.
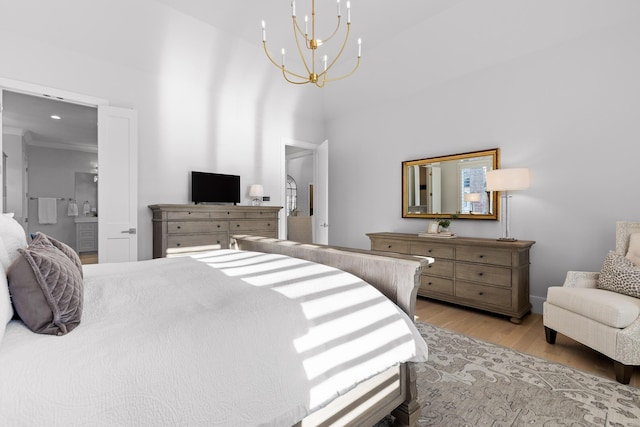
x=619, y=274
x=609, y=308
x=634, y=249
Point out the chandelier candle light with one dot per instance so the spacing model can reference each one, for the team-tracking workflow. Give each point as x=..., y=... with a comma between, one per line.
x=311, y=44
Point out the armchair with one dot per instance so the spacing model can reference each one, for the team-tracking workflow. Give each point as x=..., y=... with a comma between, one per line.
x=606, y=321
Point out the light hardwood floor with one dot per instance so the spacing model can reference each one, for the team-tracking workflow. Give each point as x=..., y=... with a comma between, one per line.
x=89, y=258
x=527, y=337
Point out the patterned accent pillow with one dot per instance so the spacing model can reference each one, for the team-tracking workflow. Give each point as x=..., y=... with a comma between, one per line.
x=619, y=274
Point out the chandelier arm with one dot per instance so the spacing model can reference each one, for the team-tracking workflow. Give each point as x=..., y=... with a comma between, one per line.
x=346, y=75
x=334, y=32
x=284, y=70
x=304, y=60
x=264, y=44
x=303, y=82
x=296, y=27
x=344, y=44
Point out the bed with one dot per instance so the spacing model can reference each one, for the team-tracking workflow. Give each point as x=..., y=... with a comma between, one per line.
x=268, y=333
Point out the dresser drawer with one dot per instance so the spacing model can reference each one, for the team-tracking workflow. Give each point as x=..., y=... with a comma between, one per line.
x=230, y=214
x=432, y=249
x=483, y=274
x=236, y=226
x=440, y=267
x=187, y=215
x=186, y=241
x=261, y=215
x=399, y=246
x=499, y=297
x=436, y=284
x=484, y=255
x=185, y=227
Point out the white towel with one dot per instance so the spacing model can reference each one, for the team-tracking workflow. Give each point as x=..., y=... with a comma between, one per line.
x=72, y=210
x=86, y=208
x=47, y=210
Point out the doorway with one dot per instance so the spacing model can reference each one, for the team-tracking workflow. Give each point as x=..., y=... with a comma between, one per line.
x=118, y=153
x=51, y=168
x=305, y=191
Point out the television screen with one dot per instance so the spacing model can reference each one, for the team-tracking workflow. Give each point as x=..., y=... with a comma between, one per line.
x=214, y=188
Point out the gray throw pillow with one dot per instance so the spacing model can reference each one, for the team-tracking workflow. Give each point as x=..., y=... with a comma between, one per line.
x=619, y=274
x=66, y=249
x=46, y=289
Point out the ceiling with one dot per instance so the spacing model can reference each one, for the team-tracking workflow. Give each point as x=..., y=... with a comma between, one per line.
x=374, y=21
x=76, y=129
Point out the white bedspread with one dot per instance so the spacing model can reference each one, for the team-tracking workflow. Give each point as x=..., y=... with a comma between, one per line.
x=260, y=339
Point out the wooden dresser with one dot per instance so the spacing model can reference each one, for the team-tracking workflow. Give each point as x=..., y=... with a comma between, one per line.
x=189, y=228
x=487, y=274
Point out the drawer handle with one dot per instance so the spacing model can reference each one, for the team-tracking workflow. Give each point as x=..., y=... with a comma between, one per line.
x=389, y=247
x=480, y=293
x=218, y=225
x=238, y=225
x=430, y=265
x=480, y=274
x=481, y=256
x=430, y=283
x=430, y=250
x=268, y=225
x=178, y=227
x=178, y=244
x=188, y=213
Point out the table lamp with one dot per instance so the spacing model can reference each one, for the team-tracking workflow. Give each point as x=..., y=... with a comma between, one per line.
x=256, y=192
x=505, y=180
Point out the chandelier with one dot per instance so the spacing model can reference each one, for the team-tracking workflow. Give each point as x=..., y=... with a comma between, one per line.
x=308, y=46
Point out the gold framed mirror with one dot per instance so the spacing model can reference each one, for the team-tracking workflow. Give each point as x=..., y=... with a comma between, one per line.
x=438, y=187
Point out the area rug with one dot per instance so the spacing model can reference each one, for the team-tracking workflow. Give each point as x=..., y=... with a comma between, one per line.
x=468, y=382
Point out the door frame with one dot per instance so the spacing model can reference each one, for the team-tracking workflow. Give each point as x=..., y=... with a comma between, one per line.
x=49, y=92
x=283, y=180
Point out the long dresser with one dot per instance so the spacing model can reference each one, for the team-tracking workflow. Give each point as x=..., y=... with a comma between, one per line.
x=191, y=228
x=486, y=274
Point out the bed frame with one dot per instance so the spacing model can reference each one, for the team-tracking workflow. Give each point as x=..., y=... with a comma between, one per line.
x=398, y=278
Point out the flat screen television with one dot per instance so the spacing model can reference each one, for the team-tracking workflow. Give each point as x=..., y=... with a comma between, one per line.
x=214, y=188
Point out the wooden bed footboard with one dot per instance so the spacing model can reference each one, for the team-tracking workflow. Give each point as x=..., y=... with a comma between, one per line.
x=396, y=276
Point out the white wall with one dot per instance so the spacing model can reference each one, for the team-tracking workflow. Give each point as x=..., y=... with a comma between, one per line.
x=206, y=101
x=553, y=84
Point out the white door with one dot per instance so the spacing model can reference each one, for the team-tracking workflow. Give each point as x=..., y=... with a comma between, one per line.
x=117, y=184
x=321, y=196
x=3, y=174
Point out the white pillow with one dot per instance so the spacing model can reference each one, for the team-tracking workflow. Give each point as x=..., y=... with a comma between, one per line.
x=13, y=237
x=634, y=248
x=6, y=311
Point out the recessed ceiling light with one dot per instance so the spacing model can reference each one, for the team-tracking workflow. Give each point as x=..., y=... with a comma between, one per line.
x=54, y=117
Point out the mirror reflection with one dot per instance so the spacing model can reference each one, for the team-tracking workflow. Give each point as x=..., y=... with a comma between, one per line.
x=438, y=187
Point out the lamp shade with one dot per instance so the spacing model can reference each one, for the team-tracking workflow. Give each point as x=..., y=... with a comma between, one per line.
x=508, y=179
x=256, y=190
x=472, y=197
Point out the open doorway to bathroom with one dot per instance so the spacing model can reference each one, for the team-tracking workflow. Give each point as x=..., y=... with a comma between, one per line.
x=299, y=194
x=52, y=169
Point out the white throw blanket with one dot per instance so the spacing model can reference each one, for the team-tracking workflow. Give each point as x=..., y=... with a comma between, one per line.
x=176, y=342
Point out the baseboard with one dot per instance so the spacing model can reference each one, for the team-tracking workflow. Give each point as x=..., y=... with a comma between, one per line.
x=536, y=303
